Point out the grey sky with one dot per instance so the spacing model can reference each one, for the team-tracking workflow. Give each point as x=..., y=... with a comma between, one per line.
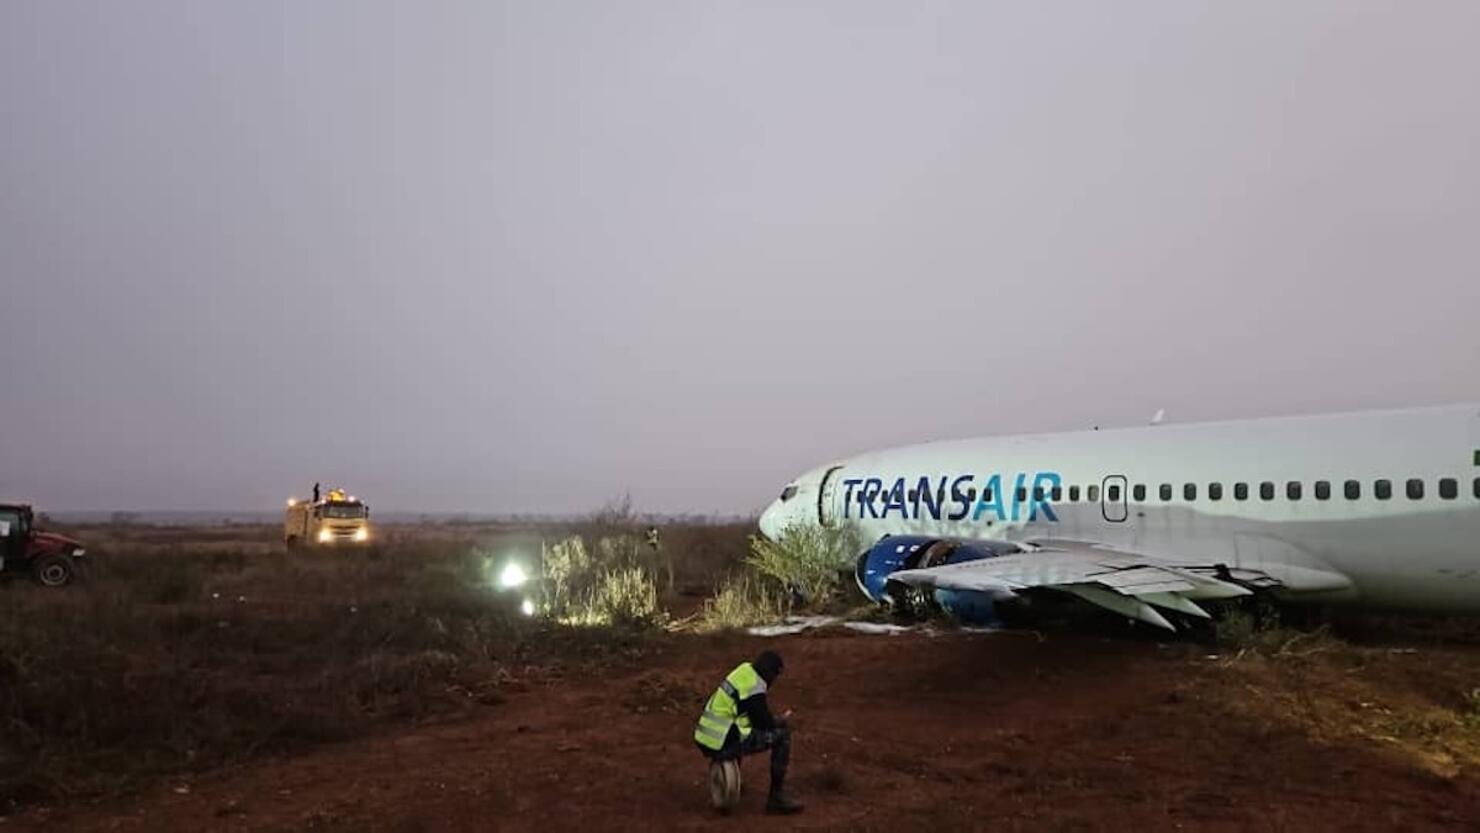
x=525, y=257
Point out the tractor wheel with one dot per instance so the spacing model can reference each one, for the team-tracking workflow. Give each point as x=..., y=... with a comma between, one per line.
x=53, y=570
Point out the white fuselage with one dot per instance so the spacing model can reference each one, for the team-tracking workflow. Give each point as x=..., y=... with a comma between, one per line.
x=1380, y=509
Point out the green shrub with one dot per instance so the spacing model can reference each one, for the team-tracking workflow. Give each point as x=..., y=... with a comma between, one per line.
x=811, y=560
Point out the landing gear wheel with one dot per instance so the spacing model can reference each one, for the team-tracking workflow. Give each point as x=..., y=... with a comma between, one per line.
x=724, y=784
x=53, y=570
x=910, y=604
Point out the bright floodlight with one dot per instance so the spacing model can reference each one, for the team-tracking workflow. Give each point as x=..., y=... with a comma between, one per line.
x=512, y=576
x=527, y=607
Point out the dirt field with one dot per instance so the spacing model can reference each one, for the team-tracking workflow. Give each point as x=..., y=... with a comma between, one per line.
x=1072, y=732
x=203, y=679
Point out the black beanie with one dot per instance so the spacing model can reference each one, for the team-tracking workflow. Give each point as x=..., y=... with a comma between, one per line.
x=768, y=665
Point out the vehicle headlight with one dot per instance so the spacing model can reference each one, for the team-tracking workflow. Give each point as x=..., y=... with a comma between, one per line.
x=325, y=536
x=527, y=608
x=512, y=576
x=79, y=552
x=362, y=534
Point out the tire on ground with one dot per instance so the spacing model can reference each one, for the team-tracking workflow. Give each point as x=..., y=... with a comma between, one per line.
x=724, y=784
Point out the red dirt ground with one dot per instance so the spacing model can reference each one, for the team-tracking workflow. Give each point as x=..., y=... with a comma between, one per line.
x=911, y=732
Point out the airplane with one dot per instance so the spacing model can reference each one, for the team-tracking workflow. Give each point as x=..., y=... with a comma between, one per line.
x=1377, y=510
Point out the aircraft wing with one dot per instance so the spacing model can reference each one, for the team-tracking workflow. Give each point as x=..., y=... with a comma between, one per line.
x=1126, y=583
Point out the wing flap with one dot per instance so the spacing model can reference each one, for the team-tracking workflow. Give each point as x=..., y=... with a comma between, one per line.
x=1124, y=605
x=1129, y=584
x=1173, y=601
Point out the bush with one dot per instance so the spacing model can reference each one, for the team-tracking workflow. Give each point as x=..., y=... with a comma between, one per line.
x=1257, y=629
x=742, y=602
x=812, y=561
x=612, y=583
x=626, y=597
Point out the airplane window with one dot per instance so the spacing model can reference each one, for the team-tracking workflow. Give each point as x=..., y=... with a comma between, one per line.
x=1383, y=489
x=1073, y=494
x=1323, y=490
x=1240, y=491
x=1415, y=489
x=1057, y=494
x=986, y=494
x=971, y=495
x=1038, y=494
x=1113, y=494
x=788, y=493
x=1448, y=488
x=1022, y=495
x=1266, y=490
x=914, y=495
x=1477, y=487
x=1353, y=489
x=1093, y=494
x=1189, y=491
x=1166, y=491
x=1138, y=492
x=1292, y=490
x=1215, y=491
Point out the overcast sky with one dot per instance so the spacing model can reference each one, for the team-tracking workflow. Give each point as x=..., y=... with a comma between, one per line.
x=529, y=256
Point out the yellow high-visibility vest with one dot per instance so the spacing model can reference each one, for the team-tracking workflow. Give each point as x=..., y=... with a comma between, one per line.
x=723, y=709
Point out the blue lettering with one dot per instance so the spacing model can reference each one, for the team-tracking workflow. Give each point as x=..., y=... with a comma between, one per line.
x=1017, y=494
x=849, y=485
x=896, y=500
x=930, y=497
x=871, y=489
x=1044, y=482
x=991, y=498
x=960, y=497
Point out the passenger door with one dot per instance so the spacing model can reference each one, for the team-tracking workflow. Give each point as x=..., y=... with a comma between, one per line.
x=827, y=498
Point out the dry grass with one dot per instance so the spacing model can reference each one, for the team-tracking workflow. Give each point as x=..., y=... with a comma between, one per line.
x=809, y=569
x=185, y=651
x=1419, y=701
x=743, y=601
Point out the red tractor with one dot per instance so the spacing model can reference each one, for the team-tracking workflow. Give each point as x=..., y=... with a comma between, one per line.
x=51, y=559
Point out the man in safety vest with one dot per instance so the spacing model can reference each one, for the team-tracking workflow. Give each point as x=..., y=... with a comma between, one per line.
x=737, y=721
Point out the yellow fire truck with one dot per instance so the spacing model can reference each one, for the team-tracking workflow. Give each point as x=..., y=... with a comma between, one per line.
x=337, y=518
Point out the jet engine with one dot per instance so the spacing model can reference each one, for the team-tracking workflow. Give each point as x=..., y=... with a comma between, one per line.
x=893, y=553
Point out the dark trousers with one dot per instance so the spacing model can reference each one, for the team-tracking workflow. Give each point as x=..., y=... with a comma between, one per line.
x=778, y=740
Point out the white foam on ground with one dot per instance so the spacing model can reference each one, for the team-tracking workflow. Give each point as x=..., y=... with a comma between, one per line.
x=797, y=624
x=793, y=624
x=876, y=627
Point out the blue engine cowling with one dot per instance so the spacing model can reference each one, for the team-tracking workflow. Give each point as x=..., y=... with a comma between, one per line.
x=893, y=553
